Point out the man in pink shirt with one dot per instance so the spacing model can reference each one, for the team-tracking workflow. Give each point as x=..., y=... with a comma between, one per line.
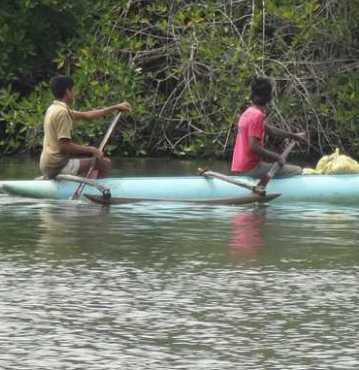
x=249, y=154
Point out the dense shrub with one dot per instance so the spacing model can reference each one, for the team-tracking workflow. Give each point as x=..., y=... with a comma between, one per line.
x=186, y=68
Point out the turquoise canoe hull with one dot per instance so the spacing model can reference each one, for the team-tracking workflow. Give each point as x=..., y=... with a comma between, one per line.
x=306, y=188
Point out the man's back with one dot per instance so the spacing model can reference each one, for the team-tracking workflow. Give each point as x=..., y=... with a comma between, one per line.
x=251, y=124
x=57, y=125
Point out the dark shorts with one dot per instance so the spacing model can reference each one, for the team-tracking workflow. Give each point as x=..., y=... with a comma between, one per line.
x=262, y=169
x=71, y=168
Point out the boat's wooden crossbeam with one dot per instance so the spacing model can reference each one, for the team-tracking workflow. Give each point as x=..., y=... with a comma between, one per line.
x=105, y=190
x=252, y=198
x=242, y=183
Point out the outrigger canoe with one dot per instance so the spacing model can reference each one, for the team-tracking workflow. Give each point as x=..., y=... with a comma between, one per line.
x=199, y=189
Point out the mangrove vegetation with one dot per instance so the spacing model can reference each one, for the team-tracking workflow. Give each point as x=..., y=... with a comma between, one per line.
x=185, y=66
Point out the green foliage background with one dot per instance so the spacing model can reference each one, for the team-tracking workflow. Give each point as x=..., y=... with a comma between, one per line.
x=185, y=66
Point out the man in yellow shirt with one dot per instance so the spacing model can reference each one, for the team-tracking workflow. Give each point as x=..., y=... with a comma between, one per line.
x=59, y=153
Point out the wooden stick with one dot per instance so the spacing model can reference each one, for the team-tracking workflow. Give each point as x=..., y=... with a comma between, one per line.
x=251, y=198
x=263, y=182
x=105, y=190
x=230, y=180
x=93, y=172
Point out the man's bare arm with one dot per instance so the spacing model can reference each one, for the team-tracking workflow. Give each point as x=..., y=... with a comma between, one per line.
x=263, y=153
x=98, y=113
x=282, y=133
x=72, y=149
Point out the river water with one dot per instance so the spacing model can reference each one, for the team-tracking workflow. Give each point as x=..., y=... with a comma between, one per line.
x=164, y=286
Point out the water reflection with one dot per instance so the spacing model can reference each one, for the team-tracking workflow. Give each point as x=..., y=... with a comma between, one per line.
x=69, y=225
x=247, y=232
x=148, y=286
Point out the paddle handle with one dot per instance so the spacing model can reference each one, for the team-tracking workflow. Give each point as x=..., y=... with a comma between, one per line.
x=262, y=183
x=93, y=172
x=109, y=132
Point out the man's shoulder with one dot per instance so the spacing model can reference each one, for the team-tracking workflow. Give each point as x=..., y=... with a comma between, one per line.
x=58, y=110
x=251, y=114
x=255, y=112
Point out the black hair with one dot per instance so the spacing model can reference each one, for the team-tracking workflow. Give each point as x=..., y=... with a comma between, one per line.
x=60, y=84
x=261, y=90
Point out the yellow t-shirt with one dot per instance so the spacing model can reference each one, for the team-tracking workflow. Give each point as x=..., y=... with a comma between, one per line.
x=57, y=125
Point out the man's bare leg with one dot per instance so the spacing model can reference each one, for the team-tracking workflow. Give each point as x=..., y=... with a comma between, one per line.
x=103, y=166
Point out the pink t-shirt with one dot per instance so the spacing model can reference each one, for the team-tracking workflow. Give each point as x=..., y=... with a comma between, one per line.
x=251, y=124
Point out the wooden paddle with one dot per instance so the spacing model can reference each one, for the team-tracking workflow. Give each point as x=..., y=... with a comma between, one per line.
x=263, y=182
x=93, y=172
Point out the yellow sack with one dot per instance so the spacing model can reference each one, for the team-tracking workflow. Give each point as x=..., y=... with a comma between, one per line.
x=325, y=162
x=310, y=171
x=335, y=163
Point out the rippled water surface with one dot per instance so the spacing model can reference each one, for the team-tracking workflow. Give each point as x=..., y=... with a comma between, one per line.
x=165, y=286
